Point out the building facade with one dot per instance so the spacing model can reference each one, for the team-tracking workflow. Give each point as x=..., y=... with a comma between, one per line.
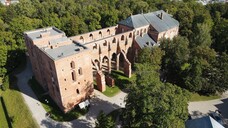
x=66, y=67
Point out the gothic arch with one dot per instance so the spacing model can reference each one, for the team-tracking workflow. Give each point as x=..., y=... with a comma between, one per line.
x=130, y=35
x=122, y=37
x=81, y=39
x=105, y=64
x=97, y=64
x=91, y=36
x=114, y=40
x=100, y=34
x=108, y=31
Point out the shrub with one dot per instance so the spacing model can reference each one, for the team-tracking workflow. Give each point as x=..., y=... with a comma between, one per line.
x=5, y=84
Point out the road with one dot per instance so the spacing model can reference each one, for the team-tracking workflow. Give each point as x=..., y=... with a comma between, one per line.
x=98, y=103
x=202, y=108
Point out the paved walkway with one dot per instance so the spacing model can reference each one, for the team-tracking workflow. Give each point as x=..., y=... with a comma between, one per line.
x=98, y=103
x=202, y=108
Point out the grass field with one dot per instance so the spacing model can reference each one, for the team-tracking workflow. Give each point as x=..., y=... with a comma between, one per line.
x=51, y=106
x=111, y=91
x=121, y=80
x=197, y=97
x=121, y=83
x=3, y=120
x=18, y=110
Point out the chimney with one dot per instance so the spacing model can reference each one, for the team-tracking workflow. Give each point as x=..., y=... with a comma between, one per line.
x=161, y=16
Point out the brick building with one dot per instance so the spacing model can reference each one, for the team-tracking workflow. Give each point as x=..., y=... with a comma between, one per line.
x=67, y=66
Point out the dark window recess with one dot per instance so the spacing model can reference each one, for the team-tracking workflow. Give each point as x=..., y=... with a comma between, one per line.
x=77, y=91
x=73, y=75
x=80, y=71
x=72, y=64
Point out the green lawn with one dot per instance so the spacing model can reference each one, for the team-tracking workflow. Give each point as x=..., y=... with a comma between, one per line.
x=52, y=108
x=3, y=120
x=18, y=110
x=197, y=97
x=121, y=80
x=111, y=91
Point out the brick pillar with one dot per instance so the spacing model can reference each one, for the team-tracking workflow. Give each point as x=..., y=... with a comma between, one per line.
x=109, y=66
x=100, y=77
x=127, y=68
x=117, y=61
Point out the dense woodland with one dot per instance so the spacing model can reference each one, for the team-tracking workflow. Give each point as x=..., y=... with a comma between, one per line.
x=196, y=60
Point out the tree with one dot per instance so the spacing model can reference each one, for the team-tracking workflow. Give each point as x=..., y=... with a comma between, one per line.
x=219, y=34
x=151, y=56
x=221, y=73
x=175, y=60
x=21, y=24
x=109, y=18
x=103, y=121
x=25, y=8
x=151, y=103
x=185, y=17
x=201, y=36
x=3, y=56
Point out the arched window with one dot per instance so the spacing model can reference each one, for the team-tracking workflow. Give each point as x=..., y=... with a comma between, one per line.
x=105, y=59
x=114, y=57
x=137, y=32
x=91, y=36
x=82, y=39
x=114, y=40
x=105, y=43
x=122, y=37
x=73, y=75
x=108, y=31
x=145, y=30
x=130, y=35
x=95, y=46
x=72, y=64
x=100, y=34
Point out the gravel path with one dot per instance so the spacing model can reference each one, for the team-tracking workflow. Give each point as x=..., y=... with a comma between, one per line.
x=98, y=103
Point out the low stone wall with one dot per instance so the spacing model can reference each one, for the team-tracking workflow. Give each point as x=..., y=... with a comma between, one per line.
x=109, y=81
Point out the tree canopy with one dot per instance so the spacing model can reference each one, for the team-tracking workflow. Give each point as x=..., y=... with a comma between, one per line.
x=151, y=103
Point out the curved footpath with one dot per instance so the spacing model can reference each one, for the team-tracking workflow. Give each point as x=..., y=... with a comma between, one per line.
x=102, y=102
x=98, y=103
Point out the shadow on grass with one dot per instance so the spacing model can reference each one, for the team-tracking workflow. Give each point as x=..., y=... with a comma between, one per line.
x=110, y=91
x=6, y=112
x=121, y=80
x=51, y=107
